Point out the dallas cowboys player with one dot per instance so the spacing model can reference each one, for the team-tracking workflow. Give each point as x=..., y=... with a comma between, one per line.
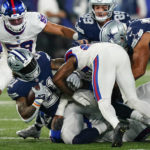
x=95, y=57
x=29, y=72
x=101, y=12
x=19, y=29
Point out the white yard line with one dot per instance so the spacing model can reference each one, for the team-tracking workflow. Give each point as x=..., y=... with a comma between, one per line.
x=14, y=138
x=8, y=119
x=7, y=102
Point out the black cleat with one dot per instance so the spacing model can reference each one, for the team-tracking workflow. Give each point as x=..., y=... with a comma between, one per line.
x=118, y=134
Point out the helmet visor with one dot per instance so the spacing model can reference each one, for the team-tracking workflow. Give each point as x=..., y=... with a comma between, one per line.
x=29, y=68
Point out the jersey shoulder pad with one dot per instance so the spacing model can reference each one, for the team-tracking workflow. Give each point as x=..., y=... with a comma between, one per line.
x=84, y=22
x=42, y=55
x=121, y=16
x=135, y=31
x=36, y=20
x=12, y=88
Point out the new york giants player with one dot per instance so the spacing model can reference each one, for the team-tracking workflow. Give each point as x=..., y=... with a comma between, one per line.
x=19, y=29
x=104, y=74
x=29, y=72
x=90, y=27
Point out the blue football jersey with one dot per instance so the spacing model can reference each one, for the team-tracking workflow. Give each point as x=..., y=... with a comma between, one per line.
x=89, y=29
x=135, y=31
x=20, y=88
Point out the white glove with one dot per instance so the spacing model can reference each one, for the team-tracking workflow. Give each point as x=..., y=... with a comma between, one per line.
x=81, y=98
x=43, y=93
x=74, y=81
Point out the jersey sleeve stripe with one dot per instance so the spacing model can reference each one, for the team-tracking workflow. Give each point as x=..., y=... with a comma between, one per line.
x=95, y=79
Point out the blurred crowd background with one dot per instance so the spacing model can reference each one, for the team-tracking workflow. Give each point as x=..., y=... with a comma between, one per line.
x=66, y=12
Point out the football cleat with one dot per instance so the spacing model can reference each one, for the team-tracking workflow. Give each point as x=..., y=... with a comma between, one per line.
x=118, y=134
x=29, y=132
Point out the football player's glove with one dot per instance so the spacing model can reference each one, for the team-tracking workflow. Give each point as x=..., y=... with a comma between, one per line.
x=74, y=81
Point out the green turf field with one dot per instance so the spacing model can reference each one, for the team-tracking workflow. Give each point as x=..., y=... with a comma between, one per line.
x=10, y=123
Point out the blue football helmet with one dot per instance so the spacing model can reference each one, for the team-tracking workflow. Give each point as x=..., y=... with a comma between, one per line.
x=13, y=10
x=24, y=64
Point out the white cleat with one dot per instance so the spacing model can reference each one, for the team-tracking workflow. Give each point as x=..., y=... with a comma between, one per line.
x=29, y=132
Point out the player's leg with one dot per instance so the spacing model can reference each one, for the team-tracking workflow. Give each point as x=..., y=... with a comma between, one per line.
x=72, y=125
x=126, y=82
x=33, y=130
x=143, y=92
x=103, y=78
x=137, y=131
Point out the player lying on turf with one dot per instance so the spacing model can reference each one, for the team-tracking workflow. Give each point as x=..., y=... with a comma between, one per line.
x=32, y=87
x=104, y=74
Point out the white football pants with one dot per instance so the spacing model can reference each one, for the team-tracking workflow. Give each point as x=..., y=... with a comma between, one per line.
x=110, y=66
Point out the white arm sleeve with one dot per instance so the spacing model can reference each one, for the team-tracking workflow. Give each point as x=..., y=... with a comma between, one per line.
x=62, y=105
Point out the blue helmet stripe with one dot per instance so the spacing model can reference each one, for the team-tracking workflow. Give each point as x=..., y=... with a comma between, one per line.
x=18, y=54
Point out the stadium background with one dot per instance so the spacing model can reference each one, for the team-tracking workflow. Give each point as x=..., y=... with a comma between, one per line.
x=56, y=47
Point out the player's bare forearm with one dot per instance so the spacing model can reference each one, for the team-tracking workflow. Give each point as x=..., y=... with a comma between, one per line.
x=24, y=110
x=140, y=58
x=61, y=75
x=59, y=30
x=57, y=122
x=67, y=32
x=56, y=63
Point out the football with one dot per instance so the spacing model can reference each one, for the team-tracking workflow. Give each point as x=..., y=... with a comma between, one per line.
x=31, y=96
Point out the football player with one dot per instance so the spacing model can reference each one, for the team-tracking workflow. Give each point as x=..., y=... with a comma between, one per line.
x=19, y=29
x=103, y=24
x=104, y=74
x=28, y=73
x=33, y=90
x=138, y=39
x=91, y=26
x=85, y=125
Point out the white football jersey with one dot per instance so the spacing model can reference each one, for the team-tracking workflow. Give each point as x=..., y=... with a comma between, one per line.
x=35, y=23
x=86, y=54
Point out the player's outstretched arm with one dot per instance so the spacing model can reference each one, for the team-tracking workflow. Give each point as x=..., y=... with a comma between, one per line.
x=56, y=63
x=59, y=30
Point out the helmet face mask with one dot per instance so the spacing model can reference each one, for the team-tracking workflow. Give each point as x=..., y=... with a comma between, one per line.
x=107, y=7
x=23, y=64
x=13, y=14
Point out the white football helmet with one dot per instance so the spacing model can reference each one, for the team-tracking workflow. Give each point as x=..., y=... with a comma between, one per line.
x=115, y=32
x=111, y=5
x=14, y=10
